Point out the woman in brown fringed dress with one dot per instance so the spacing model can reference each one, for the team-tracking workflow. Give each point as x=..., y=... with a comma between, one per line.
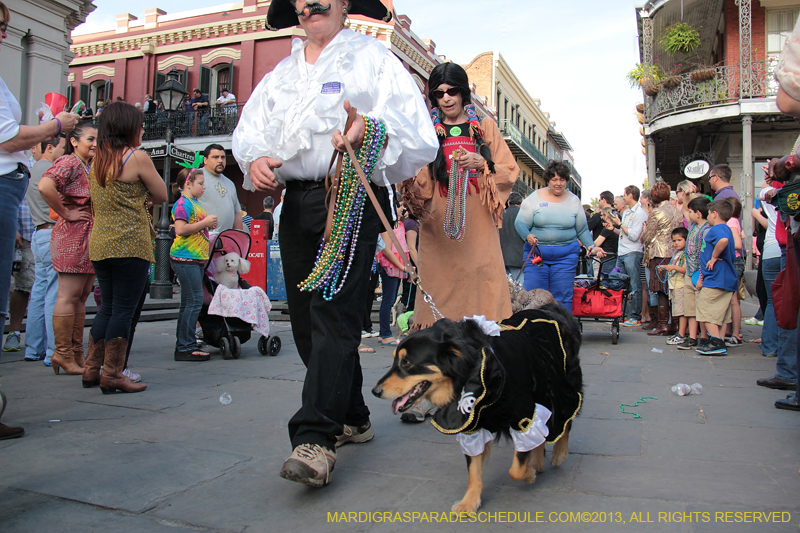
x=465, y=276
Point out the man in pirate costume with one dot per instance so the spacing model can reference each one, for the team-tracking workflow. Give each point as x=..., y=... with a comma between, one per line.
x=459, y=201
x=284, y=138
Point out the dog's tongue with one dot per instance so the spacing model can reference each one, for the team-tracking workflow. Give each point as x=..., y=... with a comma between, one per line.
x=400, y=402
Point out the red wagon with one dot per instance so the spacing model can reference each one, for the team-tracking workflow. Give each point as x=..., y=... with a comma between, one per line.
x=599, y=302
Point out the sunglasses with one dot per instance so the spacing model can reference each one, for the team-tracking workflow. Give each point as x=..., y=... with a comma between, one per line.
x=452, y=91
x=3, y=26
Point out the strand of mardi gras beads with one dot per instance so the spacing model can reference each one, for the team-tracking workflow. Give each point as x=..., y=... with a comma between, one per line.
x=456, y=213
x=335, y=256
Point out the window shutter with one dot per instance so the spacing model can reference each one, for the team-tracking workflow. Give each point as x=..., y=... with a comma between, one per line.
x=184, y=79
x=69, y=96
x=159, y=80
x=205, y=79
x=230, y=78
x=108, y=88
x=84, y=93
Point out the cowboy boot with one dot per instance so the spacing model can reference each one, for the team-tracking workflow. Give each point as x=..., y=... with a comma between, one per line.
x=674, y=325
x=77, y=338
x=662, y=328
x=653, y=318
x=94, y=361
x=64, y=356
x=112, y=379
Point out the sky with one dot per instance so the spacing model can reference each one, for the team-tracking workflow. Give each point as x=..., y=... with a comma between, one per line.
x=572, y=55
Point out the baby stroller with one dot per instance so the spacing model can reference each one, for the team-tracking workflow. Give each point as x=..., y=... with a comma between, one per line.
x=229, y=333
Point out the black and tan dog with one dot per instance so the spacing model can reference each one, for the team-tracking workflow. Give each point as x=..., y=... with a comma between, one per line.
x=494, y=386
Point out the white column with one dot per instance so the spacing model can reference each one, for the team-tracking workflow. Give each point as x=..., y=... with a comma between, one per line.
x=748, y=183
x=651, y=160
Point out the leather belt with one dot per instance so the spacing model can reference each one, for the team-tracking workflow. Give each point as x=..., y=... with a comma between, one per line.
x=46, y=225
x=304, y=185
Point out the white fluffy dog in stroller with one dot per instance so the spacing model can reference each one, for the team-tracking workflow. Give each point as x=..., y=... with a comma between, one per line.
x=228, y=268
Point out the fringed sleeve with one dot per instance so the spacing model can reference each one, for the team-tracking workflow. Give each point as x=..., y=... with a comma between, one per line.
x=496, y=187
x=417, y=193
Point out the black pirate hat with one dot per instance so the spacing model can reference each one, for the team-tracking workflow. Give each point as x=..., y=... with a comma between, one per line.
x=282, y=13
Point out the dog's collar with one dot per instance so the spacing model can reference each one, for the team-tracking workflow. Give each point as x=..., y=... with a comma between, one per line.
x=482, y=389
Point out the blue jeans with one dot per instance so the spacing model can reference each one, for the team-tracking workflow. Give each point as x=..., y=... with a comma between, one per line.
x=652, y=297
x=191, y=280
x=774, y=339
x=631, y=264
x=389, y=287
x=12, y=189
x=122, y=282
x=39, y=338
x=556, y=272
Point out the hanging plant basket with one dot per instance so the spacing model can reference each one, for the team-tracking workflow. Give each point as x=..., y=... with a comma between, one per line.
x=706, y=74
x=672, y=82
x=640, y=108
x=640, y=117
x=651, y=90
x=680, y=38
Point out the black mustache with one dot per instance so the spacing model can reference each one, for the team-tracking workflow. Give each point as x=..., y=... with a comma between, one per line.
x=313, y=9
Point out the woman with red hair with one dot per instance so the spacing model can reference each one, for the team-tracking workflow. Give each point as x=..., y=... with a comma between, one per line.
x=658, y=249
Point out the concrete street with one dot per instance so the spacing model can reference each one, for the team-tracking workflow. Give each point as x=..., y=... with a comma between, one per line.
x=174, y=458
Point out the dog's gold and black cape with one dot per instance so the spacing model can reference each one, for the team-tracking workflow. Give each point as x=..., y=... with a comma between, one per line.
x=533, y=361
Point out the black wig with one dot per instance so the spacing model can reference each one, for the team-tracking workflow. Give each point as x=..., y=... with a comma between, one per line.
x=454, y=75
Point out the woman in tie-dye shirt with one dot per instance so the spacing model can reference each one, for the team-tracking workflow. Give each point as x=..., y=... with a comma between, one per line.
x=189, y=254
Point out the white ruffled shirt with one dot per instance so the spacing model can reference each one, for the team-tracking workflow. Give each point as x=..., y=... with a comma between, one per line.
x=294, y=110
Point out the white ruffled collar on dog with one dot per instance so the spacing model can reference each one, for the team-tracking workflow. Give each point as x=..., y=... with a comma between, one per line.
x=489, y=327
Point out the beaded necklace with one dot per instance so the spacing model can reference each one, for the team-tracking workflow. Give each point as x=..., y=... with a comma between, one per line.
x=335, y=256
x=456, y=214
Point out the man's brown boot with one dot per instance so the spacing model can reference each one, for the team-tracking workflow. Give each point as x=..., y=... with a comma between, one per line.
x=112, y=379
x=77, y=338
x=91, y=371
x=64, y=356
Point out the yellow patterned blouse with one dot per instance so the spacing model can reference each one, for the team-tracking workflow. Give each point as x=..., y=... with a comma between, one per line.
x=122, y=226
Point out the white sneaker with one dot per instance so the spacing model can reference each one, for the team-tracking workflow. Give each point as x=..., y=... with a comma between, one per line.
x=753, y=322
x=368, y=334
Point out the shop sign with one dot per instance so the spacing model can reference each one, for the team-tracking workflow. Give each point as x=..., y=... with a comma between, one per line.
x=696, y=169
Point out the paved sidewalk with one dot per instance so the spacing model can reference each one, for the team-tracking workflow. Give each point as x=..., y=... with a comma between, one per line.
x=174, y=458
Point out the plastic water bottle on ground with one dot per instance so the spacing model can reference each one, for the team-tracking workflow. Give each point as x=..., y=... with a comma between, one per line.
x=682, y=389
x=225, y=399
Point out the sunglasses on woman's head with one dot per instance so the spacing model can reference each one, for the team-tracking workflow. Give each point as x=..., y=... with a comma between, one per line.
x=452, y=91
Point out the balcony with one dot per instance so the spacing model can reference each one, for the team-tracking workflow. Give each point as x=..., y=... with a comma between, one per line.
x=722, y=88
x=214, y=121
x=522, y=147
x=575, y=176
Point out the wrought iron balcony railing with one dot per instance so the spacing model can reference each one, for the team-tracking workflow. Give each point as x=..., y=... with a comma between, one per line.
x=215, y=120
x=510, y=130
x=682, y=93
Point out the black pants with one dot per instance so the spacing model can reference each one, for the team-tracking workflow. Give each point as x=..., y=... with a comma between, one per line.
x=121, y=283
x=327, y=333
x=373, y=284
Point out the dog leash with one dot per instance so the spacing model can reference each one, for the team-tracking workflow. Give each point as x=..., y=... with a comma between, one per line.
x=334, y=181
x=535, y=261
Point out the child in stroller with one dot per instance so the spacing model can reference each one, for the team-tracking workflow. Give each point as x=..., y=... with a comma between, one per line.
x=223, y=328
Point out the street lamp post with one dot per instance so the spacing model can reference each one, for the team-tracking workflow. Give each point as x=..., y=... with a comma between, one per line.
x=171, y=94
